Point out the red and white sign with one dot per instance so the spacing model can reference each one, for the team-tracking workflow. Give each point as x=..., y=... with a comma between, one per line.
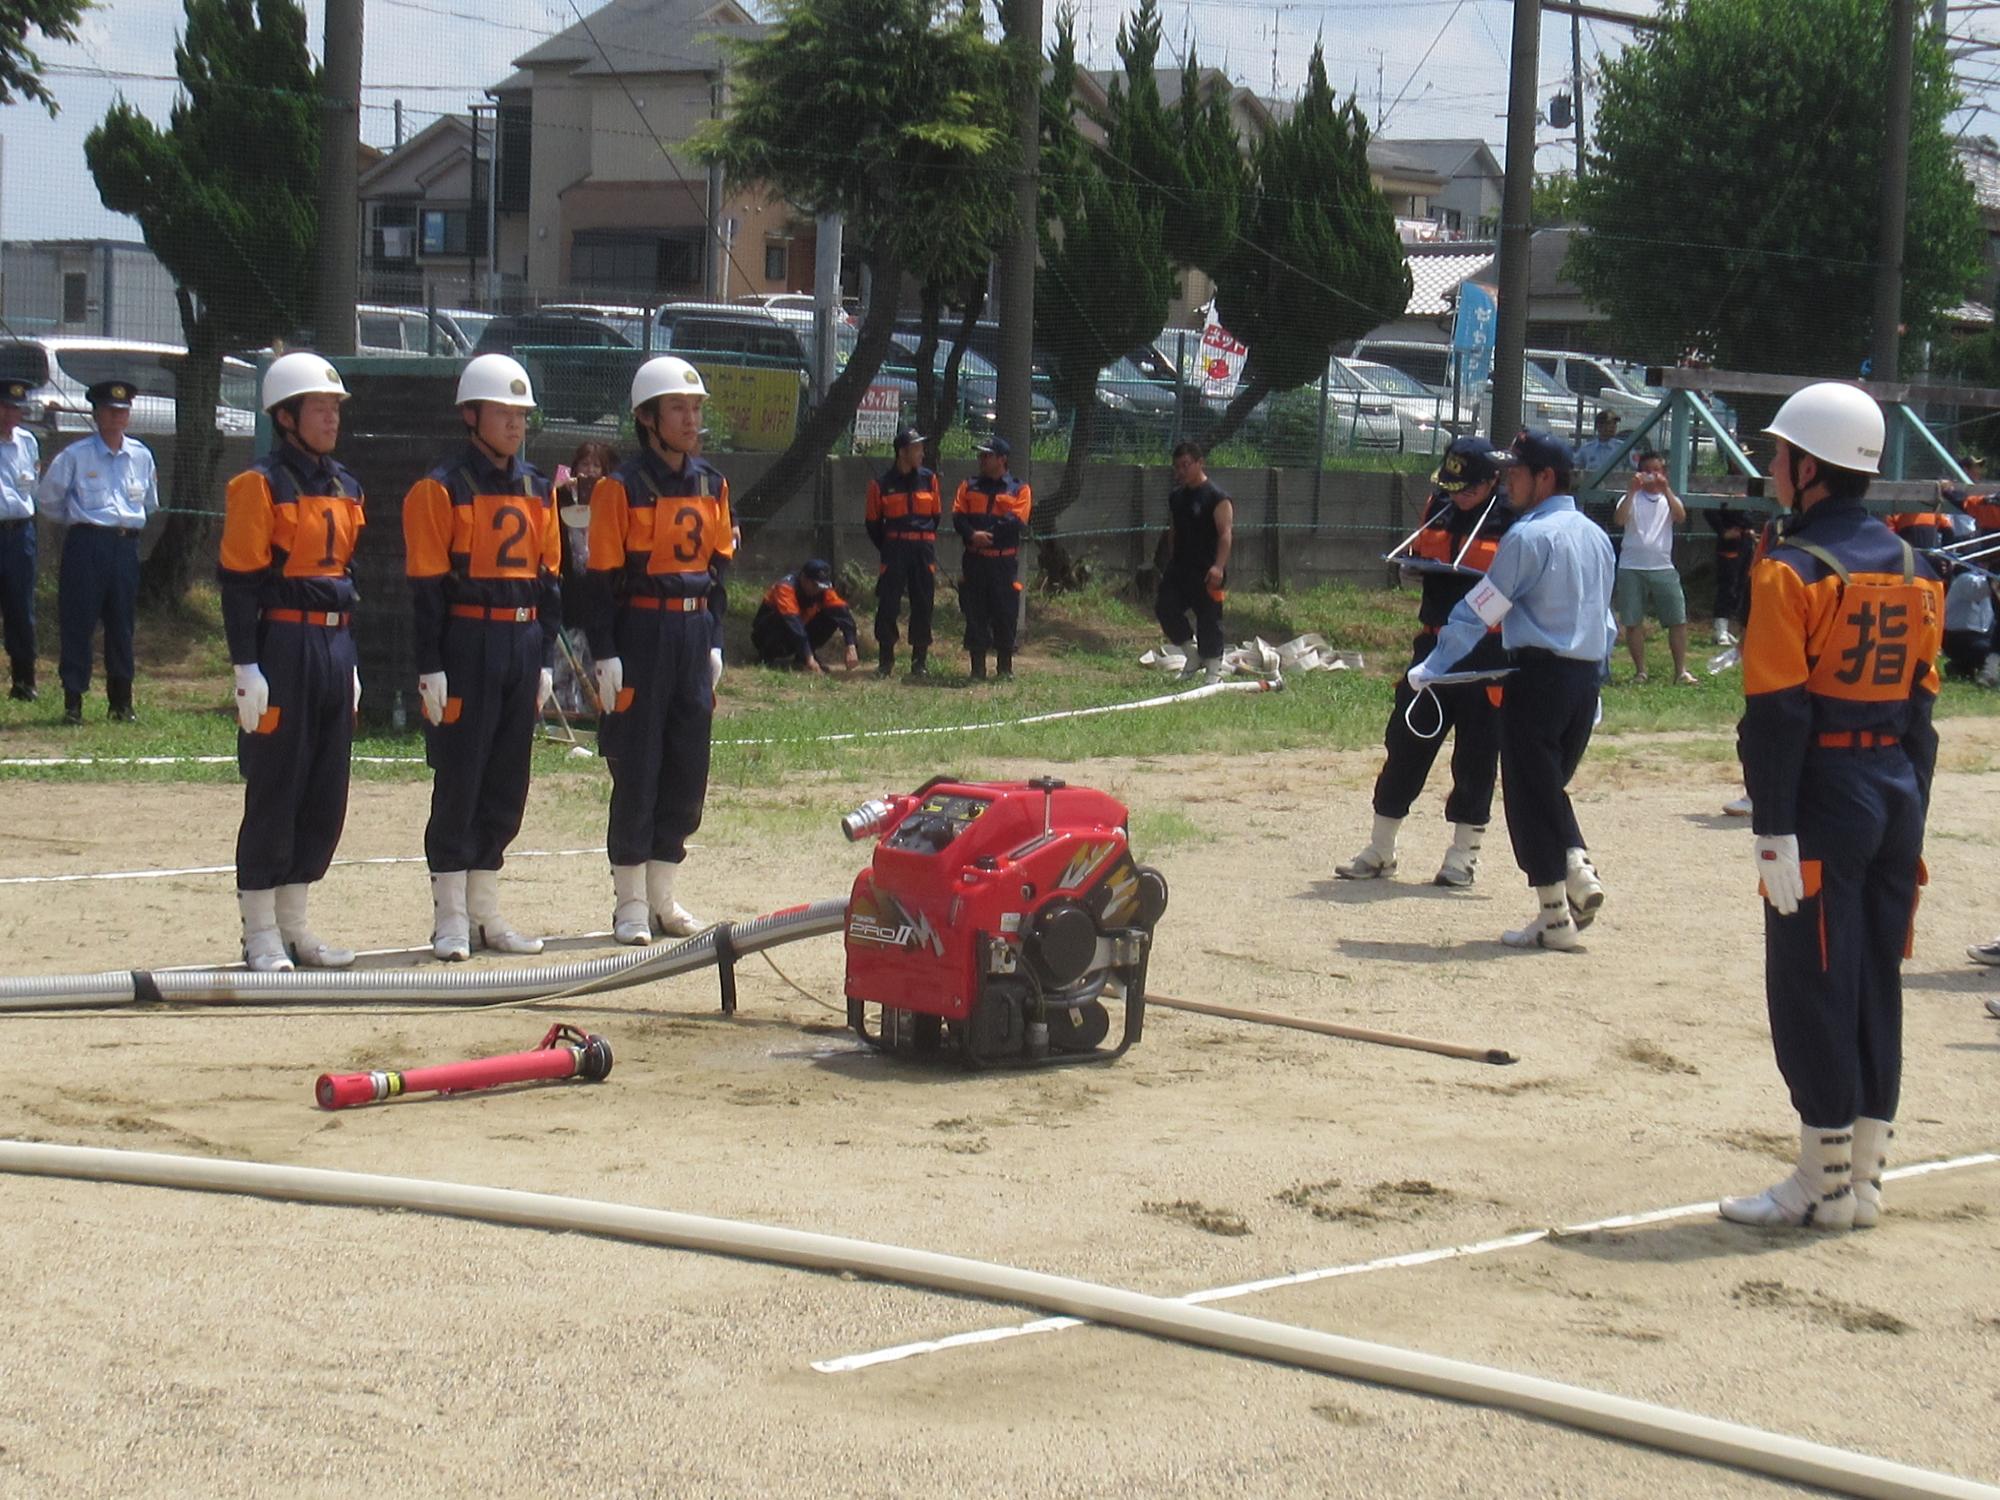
x=1222, y=355
x=875, y=419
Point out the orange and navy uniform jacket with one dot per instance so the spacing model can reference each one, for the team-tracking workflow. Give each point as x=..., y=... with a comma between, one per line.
x=904, y=507
x=1832, y=661
x=1923, y=528
x=288, y=537
x=480, y=536
x=1732, y=530
x=657, y=534
x=1001, y=506
x=1445, y=529
x=1984, y=510
x=782, y=600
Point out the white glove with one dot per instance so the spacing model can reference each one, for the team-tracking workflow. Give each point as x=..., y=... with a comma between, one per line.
x=1778, y=867
x=431, y=692
x=714, y=667
x=1419, y=677
x=357, y=690
x=546, y=691
x=253, y=696
x=610, y=682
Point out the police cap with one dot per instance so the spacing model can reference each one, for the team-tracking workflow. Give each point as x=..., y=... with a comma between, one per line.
x=1467, y=462
x=998, y=446
x=817, y=570
x=116, y=393
x=906, y=436
x=1538, y=448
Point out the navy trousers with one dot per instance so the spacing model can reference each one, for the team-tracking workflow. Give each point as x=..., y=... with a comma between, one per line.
x=1545, y=723
x=17, y=594
x=481, y=753
x=1472, y=717
x=295, y=767
x=907, y=568
x=1180, y=596
x=657, y=744
x=991, y=600
x=99, y=582
x=1833, y=970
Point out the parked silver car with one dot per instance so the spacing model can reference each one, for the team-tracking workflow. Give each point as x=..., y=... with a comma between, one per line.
x=1417, y=412
x=62, y=367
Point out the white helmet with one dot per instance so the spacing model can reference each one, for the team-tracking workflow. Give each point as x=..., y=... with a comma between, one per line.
x=498, y=378
x=300, y=374
x=664, y=376
x=1835, y=423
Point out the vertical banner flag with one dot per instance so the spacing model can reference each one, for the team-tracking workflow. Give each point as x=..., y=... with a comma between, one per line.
x=1472, y=335
x=1222, y=355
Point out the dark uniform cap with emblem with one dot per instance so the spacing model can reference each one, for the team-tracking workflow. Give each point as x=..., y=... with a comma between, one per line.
x=14, y=392
x=998, y=446
x=118, y=393
x=1469, y=461
x=817, y=570
x=907, y=435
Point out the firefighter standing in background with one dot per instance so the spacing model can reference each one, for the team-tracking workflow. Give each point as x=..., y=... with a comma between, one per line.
x=902, y=518
x=287, y=580
x=990, y=514
x=799, y=614
x=1462, y=509
x=483, y=548
x=661, y=540
x=1201, y=532
x=101, y=488
x=1839, y=678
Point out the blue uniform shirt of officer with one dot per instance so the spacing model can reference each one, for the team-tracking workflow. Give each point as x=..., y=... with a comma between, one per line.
x=89, y=485
x=1555, y=565
x=20, y=462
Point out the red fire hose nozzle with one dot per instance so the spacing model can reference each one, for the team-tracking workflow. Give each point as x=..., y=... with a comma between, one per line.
x=564, y=1053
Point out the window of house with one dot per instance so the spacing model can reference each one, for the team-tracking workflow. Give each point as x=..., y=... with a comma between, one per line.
x=449, y=231
x=774, y=264
x=635, y=261
x=76, y=296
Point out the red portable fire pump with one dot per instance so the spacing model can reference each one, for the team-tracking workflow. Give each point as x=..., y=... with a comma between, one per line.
x=1008, y=912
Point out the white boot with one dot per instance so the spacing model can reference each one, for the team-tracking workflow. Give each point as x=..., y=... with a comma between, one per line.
x=451, y=934
x=1742, y=807
x=1190, y=663
x=482, y=905
x=631, y=922
x=1378, y=860
x=1212, y=670
x=263, y=948
x=1553, y=926
x=1585, y=890
x=1818, y=1195
x=1722, y=635
x=308, y=949
x=670, y=918
x=1461, y=860
x=1872, y=1139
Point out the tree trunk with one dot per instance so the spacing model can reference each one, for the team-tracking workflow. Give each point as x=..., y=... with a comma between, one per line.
x=797, y=463
x=931, y=419
x=975, y=303
x=1254, y=389
x=1082, y=437
x=187, y=541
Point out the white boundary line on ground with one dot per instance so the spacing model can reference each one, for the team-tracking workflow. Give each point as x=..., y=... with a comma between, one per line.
x=33, y=762
x=381, y=859
x=847, y=1363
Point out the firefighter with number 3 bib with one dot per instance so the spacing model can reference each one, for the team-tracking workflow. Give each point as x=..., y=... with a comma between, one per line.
x=483, y=548
x=661, y=540
x=1839, y=679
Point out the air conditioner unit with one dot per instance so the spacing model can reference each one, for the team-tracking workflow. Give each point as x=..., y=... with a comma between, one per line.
x=398, y=242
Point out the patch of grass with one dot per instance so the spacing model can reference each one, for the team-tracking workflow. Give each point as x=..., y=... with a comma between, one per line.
x=1163, y=828
x=1652, y=1056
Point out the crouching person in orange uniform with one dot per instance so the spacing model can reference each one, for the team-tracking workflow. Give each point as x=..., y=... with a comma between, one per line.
x=287, y=583
x=484, y=553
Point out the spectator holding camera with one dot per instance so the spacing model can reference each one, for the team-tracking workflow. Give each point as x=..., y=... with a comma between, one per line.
x=1647, y=582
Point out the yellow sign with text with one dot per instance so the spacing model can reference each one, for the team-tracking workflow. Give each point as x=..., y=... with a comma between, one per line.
x=761, y=407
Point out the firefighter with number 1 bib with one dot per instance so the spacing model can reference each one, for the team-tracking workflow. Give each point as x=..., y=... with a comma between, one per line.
x=483, y=549
x=661, y=541
x=1839, y=679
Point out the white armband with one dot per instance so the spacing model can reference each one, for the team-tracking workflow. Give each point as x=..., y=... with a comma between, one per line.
x=1489, y=603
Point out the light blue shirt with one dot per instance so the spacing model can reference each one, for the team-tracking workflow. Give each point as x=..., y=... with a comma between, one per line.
x=1555, y=564
x=20, y=469
x=89, y=485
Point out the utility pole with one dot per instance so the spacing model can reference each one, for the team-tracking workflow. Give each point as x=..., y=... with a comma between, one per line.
x=1576, y=83
x=1510, y=340
x=339, y=180
x=1023, y=20
x=1886, y=346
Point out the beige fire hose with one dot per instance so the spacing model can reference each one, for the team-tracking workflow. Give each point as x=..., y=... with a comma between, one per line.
x=1616, y=1416
x=1331, y=1028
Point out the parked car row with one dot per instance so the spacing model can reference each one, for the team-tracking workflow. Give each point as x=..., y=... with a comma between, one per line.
x=60, y=368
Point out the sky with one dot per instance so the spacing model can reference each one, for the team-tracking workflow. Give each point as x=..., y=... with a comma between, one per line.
x=1420, y=68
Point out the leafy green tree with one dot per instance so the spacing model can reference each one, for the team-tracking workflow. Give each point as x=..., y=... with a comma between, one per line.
x=224, y=196
x=1317, y=260
x=1555, y=198
x=1201, y=229
x=1104, y=282
x=1731, y=197
x=20, y=67
x=894, y=113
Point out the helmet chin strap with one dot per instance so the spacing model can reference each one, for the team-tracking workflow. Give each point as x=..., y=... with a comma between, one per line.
x=653, y=438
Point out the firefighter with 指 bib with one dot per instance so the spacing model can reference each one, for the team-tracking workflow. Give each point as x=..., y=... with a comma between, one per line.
x=1462, y=524
x=483, y=549
x=902, y=519
x=1839, y=679
x=287, y=583
x=661, y=540
x=990, y=513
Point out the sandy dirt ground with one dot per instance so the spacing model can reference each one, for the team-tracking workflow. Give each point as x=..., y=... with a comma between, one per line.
x=164, y=1343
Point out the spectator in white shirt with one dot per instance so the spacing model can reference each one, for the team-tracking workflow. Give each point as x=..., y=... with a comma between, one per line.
x=1647, y=582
